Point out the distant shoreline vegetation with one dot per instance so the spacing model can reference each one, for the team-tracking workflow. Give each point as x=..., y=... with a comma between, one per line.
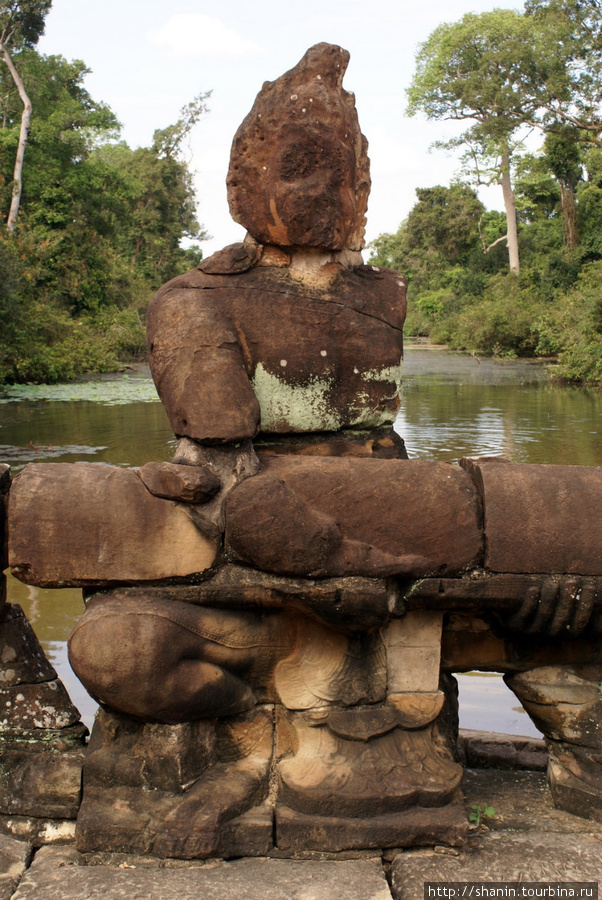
x=466, y=299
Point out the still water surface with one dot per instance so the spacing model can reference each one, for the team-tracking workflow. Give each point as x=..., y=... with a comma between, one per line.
x=453, y=406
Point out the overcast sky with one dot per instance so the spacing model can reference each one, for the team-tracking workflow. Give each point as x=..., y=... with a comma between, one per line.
x=150, y=57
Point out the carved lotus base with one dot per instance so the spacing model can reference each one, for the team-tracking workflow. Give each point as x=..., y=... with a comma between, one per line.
x=334, y=772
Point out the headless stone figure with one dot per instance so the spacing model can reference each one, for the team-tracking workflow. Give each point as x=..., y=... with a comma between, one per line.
x=286, y=339
x=283, y=353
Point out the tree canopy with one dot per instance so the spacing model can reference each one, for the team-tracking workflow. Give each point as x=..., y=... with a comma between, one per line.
x=501, y=76
x=22, y=22
x=505, y=71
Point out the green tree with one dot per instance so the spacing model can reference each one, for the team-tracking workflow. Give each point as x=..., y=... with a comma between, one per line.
x=21, y=25
x=473, y=70
x=100, y=227
x=446, y=219
x=505, y=71
x=60, y=202
x=438, y=248
x=589, y=207
x=158, y=191
x=569, y=34
x=563, y=157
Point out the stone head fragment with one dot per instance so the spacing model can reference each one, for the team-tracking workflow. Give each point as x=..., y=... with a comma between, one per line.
x=299, y=169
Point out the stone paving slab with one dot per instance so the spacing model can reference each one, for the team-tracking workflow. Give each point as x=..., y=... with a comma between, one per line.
x=522, y=802
x=528, y=839
x=490, y=750
x=500, y=857
x=14, y=858
x=56, y=875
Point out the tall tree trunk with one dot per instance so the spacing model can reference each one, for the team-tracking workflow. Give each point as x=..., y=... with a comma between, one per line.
x=23, y=134
x=569, y=209
x=510, y=204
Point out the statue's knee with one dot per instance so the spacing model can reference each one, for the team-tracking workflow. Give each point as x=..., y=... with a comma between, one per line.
x=106, y=652
x=154, y=661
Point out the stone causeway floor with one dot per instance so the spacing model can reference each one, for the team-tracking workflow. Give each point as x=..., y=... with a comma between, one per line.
x=527, y=840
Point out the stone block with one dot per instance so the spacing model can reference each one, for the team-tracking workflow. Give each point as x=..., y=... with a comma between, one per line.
x=38, y=832
x=351, y=603
x=186, y=483
x=210, y=819
x=15, y=856
x=78, y=524
x=489, y=750
x=59, y=873
x=575, y=779
x=123, y=751
x=42, y=784
x=414, y=827
x=560, y=606
x=510, y=859
x=564, y=702
x=22, y=660
x=413, y=646
x=299, y=169
x=332, y=517
x=154, y=790
x=27, y=708
x=543, y=519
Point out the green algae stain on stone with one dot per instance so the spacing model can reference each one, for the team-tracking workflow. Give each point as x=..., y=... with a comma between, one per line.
x=290, y=407
x=391, y=374
x=364, y=412
x=309, y=405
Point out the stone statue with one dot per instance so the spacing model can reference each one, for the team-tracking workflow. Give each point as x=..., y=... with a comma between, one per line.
x=264, y=625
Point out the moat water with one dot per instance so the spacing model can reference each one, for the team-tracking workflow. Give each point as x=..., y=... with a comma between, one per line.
x=453, y=406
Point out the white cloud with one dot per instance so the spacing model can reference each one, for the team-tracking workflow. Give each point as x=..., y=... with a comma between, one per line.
x=197, y=36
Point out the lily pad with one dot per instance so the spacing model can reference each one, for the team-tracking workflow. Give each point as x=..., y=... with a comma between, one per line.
x=110, y=393
x=10, y=453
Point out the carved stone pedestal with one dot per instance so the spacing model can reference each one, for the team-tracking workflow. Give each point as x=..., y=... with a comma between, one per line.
x=42, y=741
x=188, y=791
x=356, y=750
x=565, y=702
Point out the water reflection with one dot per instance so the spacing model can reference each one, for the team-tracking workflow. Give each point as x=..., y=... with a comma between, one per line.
x=486, y=704
x=454, y=407
x=113, y=428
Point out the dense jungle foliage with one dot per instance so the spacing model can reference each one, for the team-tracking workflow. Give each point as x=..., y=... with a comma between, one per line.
x=99, y=225
x=527, y=281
